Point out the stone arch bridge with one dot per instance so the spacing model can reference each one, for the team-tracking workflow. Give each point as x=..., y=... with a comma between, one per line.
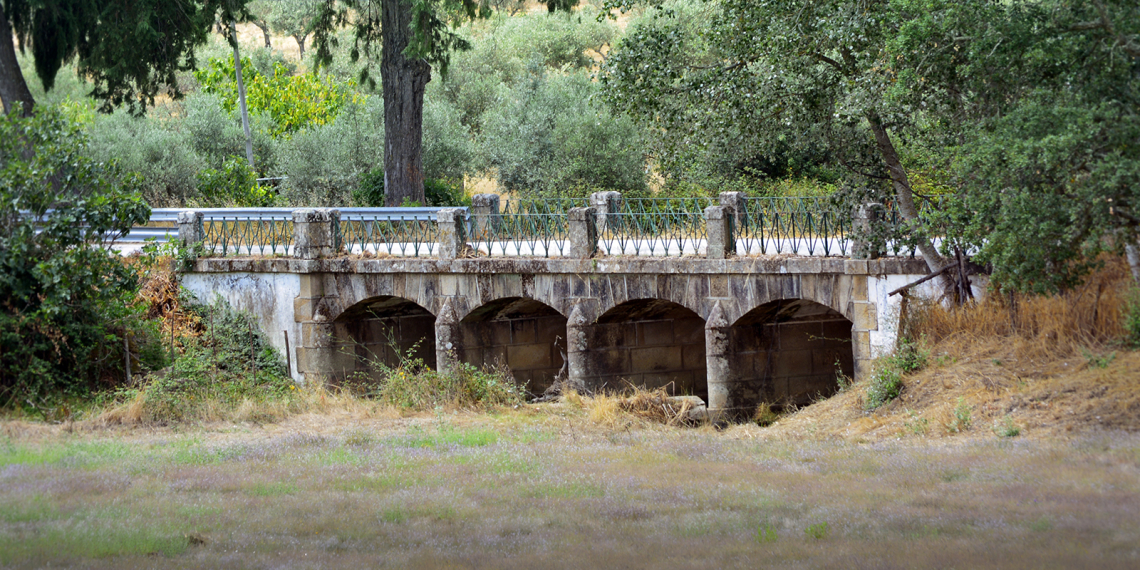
x=733, y=330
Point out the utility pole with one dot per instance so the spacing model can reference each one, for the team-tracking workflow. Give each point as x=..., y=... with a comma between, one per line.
x=241, y=97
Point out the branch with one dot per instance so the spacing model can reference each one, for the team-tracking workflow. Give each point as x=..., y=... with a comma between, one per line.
x=944, y=269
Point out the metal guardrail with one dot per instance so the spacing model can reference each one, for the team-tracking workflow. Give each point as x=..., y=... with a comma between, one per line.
x=525, y=227
x=795, y=226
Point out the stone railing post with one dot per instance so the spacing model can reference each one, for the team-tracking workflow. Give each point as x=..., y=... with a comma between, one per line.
x=190, y=229
x=583, y=233
x=606, y=206
x=721, y=233
x=863, y=221
x=314, y=232
x=452, y=233
x=738, y=202
x=484, y=208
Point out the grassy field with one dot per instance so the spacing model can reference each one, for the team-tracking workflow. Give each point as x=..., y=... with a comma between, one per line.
x=546, y=486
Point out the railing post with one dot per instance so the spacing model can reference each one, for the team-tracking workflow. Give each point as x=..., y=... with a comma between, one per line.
x=721, y=238
x=864, y=219
x=738, y=202
x=314, y=232
x=452, y=233
x=606, y=205
x=484, y=208
x=583, y=233
x=190, y=230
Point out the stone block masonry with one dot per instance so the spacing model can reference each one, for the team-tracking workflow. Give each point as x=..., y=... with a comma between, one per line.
x=735, y=331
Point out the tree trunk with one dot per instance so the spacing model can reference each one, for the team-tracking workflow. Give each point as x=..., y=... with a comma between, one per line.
x=300, y=45
x=901, y=184
x=265, y=32
x=13, y=88
x=404, y=80
x=241, y=99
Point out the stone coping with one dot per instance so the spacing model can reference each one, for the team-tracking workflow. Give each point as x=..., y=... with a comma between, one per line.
x=488, y=265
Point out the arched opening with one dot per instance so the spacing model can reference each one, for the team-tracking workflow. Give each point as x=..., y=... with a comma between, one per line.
x=385, y=330
x=788, y=352
x=651, y=343
x=527, y=336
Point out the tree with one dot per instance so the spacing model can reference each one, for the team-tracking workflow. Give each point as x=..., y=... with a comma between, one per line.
x=65, y=302
x=294, y=18
x=893, y=88
x=129, y=50
x=414, y=36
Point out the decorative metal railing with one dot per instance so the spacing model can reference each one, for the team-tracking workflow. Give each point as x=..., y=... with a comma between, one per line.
x=656, y=227
x=816, y=226
x=404, y=232
x=538, y=228
x=792, y=226
x=247, y=231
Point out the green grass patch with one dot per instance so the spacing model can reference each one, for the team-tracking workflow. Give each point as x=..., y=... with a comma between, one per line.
x=272, y=489
x=448, y=437
x=81, y=453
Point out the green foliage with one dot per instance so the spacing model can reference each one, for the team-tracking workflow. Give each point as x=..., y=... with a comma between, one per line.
x=1132, y=318
x=817, y=531
x=370, y=191
x=963, y=414
x=293, y=102
x=235, y=184
x=1098, y=360
x=129, y=58
x=228, y=362
x=548, y=137
x=766, y=533
x=412, y=385
x=165, y=159
x=444, y=192
x=66, y=304
x=886, y=385
x=917, y=424
x=1006, y=427
x=324, y=164
x=886, y=379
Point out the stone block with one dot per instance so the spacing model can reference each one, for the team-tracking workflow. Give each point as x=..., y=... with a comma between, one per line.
x=721, y=235
x=613, y=361
x=693, y=356
x=866, y=317
x=859, y=288
x=655, y=358
x=529, y=357
x=522, y=331
x=583, y=225
x=855, y=267
x=314, y=231
x=547, y=328
x=655, y=333
x=793, y=363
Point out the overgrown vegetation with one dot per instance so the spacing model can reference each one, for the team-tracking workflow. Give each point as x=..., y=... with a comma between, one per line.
x=68, y=316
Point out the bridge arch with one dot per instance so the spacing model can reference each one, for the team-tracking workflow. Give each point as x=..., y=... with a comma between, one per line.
x=526, y=335
x=787, y=352
x=383, y=329
x=647, y=342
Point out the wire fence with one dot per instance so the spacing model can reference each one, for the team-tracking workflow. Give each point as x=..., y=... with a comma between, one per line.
x=253, y=233
x=524, y=227
x=793, y=226
x=411, y=234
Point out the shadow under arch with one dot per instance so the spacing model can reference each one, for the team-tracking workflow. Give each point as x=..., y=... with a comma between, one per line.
x=525, y=335
x=383, y=330
x=787, y=352
x=651, y=343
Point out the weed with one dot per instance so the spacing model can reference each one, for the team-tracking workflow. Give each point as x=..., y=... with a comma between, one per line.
x=818, y=531
x=1131, y=317
x=917, y=425
x=962, y=417
x=412, y=385
x=1097, y=360
x=765, y=415
x=766, y=533
x=844, y=381
x=1006, y=428
x=1042, y=524
x=910, y=356
x=886, y=385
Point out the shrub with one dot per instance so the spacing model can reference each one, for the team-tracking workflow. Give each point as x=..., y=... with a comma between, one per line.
x=228, y=362
x=886, y=385
x=411, y=385
x=549, y=137
x=234, y=184
x=165, y=159
x=324, y=164
x=1005, y=427
x=962, y=417
x=66, y=304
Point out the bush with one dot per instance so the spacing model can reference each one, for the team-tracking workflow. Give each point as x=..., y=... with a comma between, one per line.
x=235, y=184
x=217, y=134
x=165, y=159
x=549, y=137
x=886, y=380
x=1131, y=322
x=230, y=361
x=324, y=164
x=66, y=304
x=411, y=385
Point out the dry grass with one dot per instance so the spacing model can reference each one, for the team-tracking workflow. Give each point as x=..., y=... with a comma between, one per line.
x=1054, y=365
